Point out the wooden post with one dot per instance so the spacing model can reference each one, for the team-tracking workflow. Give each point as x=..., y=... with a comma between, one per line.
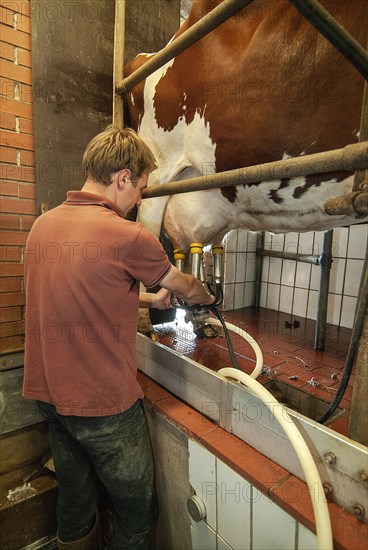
x=119, y=40
x=358, y=421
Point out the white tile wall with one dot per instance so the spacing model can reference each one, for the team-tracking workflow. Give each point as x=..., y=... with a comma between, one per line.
x=357, y=241
x=233, y=507
x=286, y=298
x=239, y=295
x=203, y=537
x=281, y=527
x=352, y=277
x=300, y=302
x=306, y=539
x=303, y=275
x=244, y=517
x=281, y=277
x=275, y=267
x=347, y=311
x=222, y=545
x=202, y=477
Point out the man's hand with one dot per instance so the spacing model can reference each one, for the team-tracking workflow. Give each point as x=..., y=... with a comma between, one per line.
x=160, y=300
x=187, y=287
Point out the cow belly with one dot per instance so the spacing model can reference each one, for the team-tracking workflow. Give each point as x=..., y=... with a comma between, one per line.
x=206, y=216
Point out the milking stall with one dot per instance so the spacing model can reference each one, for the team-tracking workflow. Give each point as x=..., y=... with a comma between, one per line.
x=256, y=112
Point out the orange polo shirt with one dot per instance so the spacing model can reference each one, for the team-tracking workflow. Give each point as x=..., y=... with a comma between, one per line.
x=83, y=265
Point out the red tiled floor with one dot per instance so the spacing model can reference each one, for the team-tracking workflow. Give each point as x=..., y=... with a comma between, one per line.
x=286, y=344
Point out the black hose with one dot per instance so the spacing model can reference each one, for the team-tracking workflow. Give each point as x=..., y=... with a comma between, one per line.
x=232, y=354
x=354, y=341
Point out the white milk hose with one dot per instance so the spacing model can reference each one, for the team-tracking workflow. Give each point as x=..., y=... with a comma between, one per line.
x=320, y=508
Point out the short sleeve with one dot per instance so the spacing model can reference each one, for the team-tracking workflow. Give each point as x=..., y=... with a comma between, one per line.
x=148, y=261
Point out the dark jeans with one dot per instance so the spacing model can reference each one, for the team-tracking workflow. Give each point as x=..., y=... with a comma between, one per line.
x=114, y=450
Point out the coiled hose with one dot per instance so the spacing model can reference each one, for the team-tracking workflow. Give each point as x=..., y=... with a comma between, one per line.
x=320, y=508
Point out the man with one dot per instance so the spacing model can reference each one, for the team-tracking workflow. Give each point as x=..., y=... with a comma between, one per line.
x=83, y=266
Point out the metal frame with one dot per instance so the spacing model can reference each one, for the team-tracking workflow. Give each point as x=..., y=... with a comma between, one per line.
x=323, y=21
x=313, y=11
x=324, y=260
x=310, y=9
x=356, y=202
x=349, y=158
x=223, y=12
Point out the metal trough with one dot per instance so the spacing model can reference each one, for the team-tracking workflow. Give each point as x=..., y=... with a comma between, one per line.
x=300, y=401
x=240, y=412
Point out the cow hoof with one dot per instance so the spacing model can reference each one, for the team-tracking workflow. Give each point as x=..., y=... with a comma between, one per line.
x=205, y=331
x=153, y=336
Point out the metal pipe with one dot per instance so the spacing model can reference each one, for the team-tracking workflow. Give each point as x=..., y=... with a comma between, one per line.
x=220, y=14
x=327, y=25
x=259, y=267
x=356, y=203
x=324, y=260
x=306, y=258
x=179, y=257
x=119, y=48
x=353, y=204
x=217, y=255
x=196, y=252
x=349, y=158
x=361, y=177
x=324, y=283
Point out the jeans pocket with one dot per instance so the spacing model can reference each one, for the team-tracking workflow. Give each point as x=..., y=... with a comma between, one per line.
x=128, y=424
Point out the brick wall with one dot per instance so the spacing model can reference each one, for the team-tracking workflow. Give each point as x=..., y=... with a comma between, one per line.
x=17, y=165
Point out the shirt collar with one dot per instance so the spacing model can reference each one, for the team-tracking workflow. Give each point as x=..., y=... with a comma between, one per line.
x=83, y=198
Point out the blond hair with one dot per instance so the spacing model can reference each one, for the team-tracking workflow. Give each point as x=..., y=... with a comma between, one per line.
x=115, y=149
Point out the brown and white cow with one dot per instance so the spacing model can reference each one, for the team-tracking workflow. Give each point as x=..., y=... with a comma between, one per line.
x=261, y=87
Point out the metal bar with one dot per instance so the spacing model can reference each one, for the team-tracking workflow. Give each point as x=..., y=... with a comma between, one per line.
x=357, y=201
x=119, y=44
x=259, y=268
x=306, y=258
x=324, y=283
x=323, y=260
x=349, y=158
x=335, y=33
x=361, y=176
x=220, y=14
x=353, y=204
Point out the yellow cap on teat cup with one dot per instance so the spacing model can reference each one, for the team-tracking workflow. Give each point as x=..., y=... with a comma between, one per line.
x=196, y=248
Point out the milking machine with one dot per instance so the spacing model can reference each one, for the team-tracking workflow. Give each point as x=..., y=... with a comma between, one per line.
x=198, y=314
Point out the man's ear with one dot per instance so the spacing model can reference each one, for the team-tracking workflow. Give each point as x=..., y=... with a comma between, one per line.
x=123, y=176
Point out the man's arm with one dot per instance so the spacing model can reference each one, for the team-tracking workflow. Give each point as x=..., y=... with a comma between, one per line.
x=158, y=300
x=186, y=287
